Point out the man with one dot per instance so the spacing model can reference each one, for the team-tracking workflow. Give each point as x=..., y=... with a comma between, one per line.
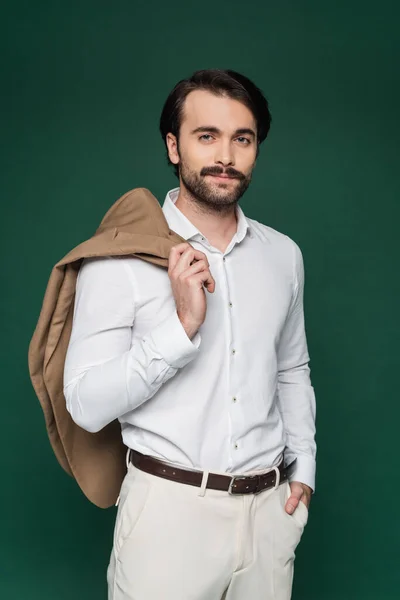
x=206, y=367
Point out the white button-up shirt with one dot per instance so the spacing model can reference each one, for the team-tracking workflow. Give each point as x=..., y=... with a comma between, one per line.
x=229, y=400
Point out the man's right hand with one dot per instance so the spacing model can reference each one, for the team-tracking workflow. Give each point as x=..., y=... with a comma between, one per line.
x=189, y=270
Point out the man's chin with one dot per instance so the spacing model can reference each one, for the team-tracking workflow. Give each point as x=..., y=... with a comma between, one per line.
x=221, y=188
x=213, y=191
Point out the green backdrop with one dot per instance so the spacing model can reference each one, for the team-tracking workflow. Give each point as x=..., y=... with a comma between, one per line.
x=83, y=86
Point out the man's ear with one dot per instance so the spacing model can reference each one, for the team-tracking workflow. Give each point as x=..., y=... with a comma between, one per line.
x=173, y=150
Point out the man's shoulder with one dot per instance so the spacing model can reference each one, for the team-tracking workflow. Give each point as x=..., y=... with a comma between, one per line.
x=270, y=235
x=106, y=266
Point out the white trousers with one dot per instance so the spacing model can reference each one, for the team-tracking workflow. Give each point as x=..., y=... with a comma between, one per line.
x=172, y=543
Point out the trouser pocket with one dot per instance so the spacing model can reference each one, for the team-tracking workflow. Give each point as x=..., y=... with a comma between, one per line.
x=134, y=495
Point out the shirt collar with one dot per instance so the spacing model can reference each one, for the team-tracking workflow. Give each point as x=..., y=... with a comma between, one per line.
x=179, y=223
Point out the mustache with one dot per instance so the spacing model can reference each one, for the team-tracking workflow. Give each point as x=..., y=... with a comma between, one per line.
x=230, y=171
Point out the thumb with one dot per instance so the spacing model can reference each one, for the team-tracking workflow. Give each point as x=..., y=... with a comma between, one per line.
x=296, y=493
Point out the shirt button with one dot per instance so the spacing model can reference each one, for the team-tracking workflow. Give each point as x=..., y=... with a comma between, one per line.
x=233, y=351
x=234, y=399
x=223, y=259
x=230, y=304
x=236, y=446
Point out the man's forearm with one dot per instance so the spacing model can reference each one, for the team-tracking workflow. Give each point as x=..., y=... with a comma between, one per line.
x=106, y=391
x=298, y=408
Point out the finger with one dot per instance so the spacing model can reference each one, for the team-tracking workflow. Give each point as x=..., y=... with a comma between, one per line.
x=175, y=253
x=195, y=267
x=292, y=504
x=296, y=489
x=184, y=249
x=204, y=276
x=294, y=499
x=183, y=258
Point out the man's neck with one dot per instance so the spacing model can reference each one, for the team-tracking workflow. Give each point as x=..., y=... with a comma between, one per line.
x=218, y=227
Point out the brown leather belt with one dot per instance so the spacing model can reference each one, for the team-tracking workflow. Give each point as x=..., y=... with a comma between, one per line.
x=249, y=484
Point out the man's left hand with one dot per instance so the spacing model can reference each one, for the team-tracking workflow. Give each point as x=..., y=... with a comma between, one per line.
x=300, y=492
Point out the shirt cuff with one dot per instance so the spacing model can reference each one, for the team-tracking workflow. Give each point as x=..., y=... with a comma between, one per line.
x=304, y=471
x=170, y=340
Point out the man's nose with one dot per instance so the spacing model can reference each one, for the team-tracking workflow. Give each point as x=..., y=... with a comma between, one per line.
x=224, y=154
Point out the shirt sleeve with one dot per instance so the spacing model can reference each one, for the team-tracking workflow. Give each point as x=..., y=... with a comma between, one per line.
x=104, y=375
x=296, y=396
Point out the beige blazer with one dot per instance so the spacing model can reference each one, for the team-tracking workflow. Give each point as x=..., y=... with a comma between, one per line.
x=135, y=225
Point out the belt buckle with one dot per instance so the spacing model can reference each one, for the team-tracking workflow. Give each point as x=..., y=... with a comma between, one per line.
x=234, y=479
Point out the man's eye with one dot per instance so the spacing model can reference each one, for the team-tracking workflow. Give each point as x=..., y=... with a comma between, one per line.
x=244, y=140
x=205, y=135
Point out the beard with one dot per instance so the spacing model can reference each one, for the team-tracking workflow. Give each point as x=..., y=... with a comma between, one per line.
x=217, y=197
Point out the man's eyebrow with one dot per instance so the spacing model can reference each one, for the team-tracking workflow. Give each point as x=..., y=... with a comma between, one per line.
x=247, y=131
x=211, y=129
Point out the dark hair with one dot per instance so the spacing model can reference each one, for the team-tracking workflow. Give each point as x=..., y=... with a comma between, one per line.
x=221, y=83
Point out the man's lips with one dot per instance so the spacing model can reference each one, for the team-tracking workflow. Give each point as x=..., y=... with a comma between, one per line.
x=222, y=176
